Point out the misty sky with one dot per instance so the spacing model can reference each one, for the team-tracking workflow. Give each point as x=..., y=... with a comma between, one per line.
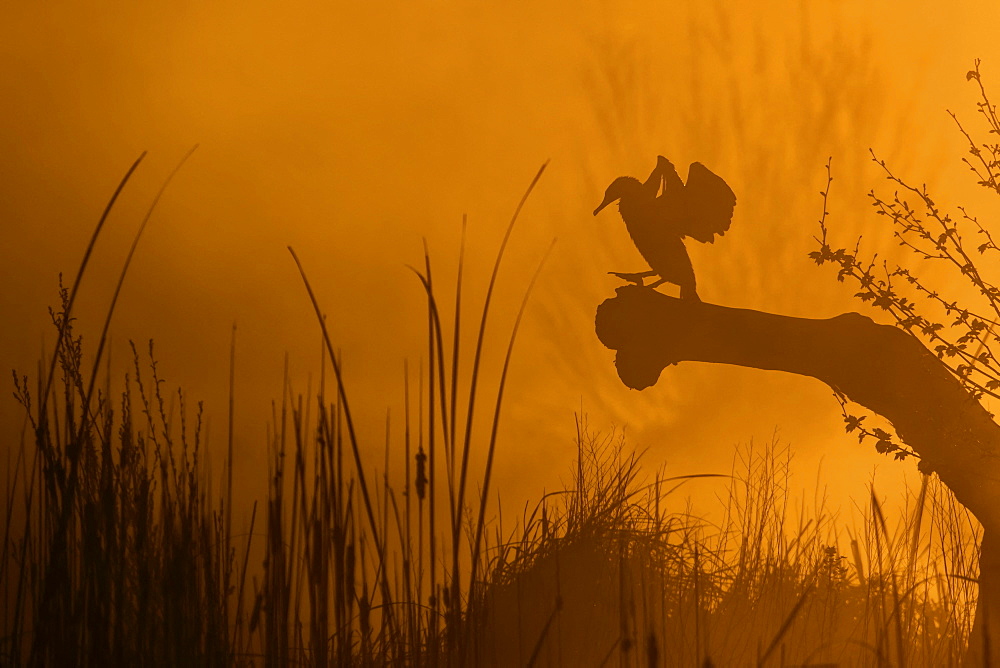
x=351, y=133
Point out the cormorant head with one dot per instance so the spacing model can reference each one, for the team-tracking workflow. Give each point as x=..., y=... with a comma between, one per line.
x=623, y=187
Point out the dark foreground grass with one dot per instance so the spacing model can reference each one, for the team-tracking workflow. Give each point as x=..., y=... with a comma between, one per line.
x=617, y=571
x=116, y=552
x=614, y=570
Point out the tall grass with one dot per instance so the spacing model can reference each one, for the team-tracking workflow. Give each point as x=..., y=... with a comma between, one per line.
x=118, y=558
x=116, y=552
x=618, y=571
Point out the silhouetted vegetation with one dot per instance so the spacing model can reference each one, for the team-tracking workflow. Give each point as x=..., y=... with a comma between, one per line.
x=960, y=330
x=614, y=569
x=116, y=551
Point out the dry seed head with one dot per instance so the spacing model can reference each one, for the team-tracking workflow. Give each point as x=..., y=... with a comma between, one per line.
x=421, y=481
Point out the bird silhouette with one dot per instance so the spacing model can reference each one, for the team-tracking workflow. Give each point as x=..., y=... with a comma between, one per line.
x=659, y=213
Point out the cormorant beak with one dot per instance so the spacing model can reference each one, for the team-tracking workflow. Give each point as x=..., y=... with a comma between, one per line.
x=608, y=199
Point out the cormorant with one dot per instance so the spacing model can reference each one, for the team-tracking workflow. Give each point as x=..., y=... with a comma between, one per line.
x=699, y=209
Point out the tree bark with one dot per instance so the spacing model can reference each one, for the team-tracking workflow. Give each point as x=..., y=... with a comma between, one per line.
x=880, y=367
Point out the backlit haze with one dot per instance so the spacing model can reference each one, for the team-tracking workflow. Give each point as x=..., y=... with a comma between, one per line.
x=350, y=131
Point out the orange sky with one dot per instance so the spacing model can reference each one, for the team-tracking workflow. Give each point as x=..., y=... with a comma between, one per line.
x=350, y=133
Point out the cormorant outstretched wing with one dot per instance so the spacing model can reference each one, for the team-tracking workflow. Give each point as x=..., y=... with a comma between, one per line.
x=670, y=181
x=701, y=209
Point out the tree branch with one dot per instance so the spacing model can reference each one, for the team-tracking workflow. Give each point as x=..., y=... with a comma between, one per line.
x=878, y=366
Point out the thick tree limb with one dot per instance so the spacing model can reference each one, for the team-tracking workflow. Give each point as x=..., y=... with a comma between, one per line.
x=878, y=366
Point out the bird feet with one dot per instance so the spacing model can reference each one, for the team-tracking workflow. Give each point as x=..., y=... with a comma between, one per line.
x=637, y=278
